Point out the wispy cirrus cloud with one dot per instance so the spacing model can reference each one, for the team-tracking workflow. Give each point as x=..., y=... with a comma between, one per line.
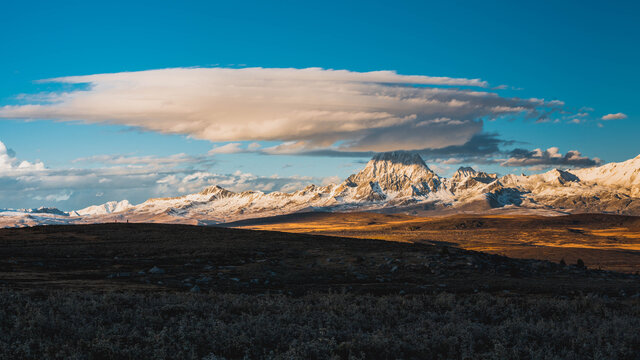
x=306, y=109
x=159, y=162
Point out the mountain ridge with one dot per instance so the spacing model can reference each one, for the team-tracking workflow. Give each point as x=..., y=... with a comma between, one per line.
x=401, y=182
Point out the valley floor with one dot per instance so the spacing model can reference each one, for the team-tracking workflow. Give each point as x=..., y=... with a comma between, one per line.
x=609, y=242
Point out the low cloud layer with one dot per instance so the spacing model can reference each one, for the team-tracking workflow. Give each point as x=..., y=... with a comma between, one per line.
x=306, y=109
x=117, y=177
x=483, y=148
x=549, y=157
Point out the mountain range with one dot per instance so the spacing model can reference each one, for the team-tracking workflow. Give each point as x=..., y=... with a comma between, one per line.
x=391, y=182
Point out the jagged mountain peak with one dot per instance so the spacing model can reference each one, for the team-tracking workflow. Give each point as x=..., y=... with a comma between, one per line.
x=399, y=157
x=397, y=164
x=562, y=176
x=465, y=171
x=213, y=190
x=395, y=173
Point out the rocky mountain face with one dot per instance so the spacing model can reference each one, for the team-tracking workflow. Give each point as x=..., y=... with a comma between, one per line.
x=401, y=182
x=389, y=177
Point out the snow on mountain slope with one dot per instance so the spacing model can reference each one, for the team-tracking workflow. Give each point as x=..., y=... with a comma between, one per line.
x=624, y=176
x=106, y=208
x=391, y=176
x=31, y=217
x=398, y=181
x=390, y=182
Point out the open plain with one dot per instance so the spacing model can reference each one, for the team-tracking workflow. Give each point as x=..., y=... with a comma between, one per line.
x=602, y=241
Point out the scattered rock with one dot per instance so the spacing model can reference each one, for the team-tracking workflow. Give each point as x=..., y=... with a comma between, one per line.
x=119, y=275
x=156, y=270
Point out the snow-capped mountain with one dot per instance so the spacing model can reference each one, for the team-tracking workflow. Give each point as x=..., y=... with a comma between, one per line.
x=624, y=176
x=391, y=176
x=31, y=217
x=401, y=182
x=106, y=208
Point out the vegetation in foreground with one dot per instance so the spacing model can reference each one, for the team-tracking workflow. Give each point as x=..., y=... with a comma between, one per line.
x=82, y=325
x=144, y=291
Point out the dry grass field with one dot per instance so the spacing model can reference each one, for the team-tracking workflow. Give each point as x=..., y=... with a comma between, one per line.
x=152, y=291
x=601, y=241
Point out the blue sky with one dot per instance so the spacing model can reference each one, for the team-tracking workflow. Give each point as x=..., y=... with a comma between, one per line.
x=584, y=54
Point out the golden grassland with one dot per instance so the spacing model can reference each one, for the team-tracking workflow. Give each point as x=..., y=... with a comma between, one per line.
x=603, y=241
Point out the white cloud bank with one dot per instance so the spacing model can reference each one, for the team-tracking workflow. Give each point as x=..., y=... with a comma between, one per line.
x=10, y=165
x=306, y=109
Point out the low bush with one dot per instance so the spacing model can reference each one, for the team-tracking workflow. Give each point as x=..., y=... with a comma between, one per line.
x=86, y=325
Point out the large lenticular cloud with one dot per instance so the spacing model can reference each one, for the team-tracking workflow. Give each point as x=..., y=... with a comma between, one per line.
x=305, y=108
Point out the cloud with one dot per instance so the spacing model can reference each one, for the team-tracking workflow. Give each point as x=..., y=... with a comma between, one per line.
x=238, y=181
x=484, y=148
x=118, y=177
x=9, y=164
x=616, y=116
x=308, y=109
x=147, y=161
x=550, y=157
x=62, y=196
x=230, y=148
x=480, y=148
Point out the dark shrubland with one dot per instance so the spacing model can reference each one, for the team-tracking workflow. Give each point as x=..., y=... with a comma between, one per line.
x=81, y=325
x=144, y=291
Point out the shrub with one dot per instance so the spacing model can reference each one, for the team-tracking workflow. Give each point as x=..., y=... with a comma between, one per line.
x=83, y=325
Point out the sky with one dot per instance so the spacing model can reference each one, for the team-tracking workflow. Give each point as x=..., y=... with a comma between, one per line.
x=115, y=100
